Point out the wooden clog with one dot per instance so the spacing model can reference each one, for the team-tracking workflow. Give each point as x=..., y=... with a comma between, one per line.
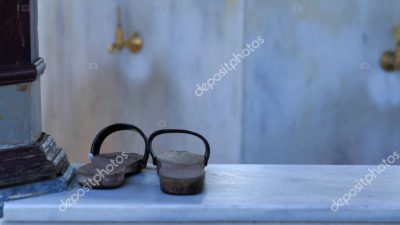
x=108, y=170
x=180, y=172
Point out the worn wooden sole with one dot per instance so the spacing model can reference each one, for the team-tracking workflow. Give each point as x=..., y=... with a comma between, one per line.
x=132, y=161
x=181, y=172
x=109, y=170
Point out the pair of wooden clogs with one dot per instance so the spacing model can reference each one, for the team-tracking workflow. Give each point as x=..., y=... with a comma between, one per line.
x=180, y=172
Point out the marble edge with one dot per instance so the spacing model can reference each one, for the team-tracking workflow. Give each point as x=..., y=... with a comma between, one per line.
x=154, y=213
x=22, y=212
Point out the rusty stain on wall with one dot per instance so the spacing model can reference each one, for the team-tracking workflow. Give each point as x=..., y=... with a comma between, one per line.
x=22, y=87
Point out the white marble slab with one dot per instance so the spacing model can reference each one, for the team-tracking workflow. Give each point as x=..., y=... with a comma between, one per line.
x=184, y=45
x=312, y=91
x=315, y=88
x=243, y=193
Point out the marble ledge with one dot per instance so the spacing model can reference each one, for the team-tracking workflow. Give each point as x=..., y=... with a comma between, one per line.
x=265, y=194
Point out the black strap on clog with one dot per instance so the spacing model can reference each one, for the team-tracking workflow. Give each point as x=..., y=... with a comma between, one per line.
x=104, y=133
x=177, y=131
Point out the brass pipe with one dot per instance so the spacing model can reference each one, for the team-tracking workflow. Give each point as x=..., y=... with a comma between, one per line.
x=390, y=60
x=134, y=42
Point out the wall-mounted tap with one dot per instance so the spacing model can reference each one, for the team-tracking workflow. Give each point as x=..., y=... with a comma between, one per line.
x=390, y=60
x=134, y=41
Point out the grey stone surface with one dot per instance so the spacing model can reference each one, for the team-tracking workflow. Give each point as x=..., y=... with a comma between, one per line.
x=20, y=114
x=315, y=92
x=86, y=89
x=62, y=183
x=299, y=194
x=312, y=93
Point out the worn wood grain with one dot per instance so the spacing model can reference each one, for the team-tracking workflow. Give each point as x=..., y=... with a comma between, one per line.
x=40, y=161
x=181, y=172
x=15, y=29
x=110, y=171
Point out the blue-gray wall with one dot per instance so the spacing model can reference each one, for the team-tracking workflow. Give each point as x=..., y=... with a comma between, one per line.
x=316, y=93
x=312, y=93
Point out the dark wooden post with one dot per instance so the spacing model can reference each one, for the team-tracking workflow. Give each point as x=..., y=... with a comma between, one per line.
x=27, y=156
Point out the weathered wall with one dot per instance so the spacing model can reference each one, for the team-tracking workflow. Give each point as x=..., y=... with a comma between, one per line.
x=316, y=92
x=85, y=88
x=312, y=93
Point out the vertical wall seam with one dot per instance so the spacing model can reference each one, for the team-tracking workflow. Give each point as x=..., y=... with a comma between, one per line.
x=242, y=89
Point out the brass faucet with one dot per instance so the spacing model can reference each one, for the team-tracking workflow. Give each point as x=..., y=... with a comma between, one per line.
x=134, y=41
x=390, y=60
